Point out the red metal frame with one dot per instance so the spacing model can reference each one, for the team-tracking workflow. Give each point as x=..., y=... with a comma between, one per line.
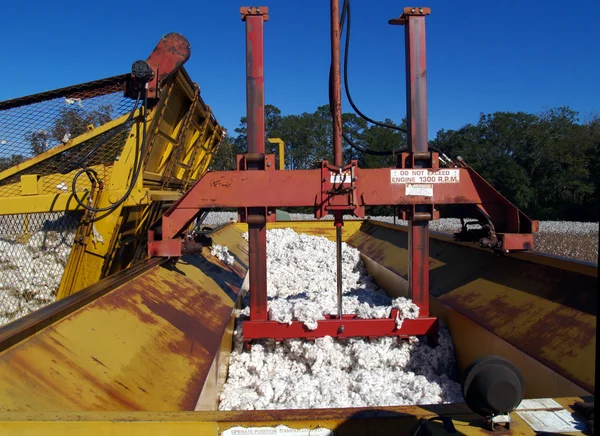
x=171, y=52
x=256, y=217
x=256, y=189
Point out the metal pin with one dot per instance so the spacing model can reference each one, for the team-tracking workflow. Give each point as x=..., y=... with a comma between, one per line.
x=338, y=237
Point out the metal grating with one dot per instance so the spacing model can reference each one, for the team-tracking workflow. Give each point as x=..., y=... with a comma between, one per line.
x=32, y=125
x=34, y=250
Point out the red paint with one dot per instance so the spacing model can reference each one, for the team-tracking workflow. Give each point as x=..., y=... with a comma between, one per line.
x=255, y=112
x=416, y=104
x=353, y=327
x=254, y=188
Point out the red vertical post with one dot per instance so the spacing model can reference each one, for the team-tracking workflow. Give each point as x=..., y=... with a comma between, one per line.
x=337, y=83
x=416, y=99
x=255, y=114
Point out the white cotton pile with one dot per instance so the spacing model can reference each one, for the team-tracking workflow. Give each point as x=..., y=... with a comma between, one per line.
x=222, y=253
x=326, y=372
x=302, y=281
x=31, y=272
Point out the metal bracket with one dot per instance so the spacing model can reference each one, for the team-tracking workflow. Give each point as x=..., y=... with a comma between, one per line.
x=255, y=11
x=340, y=190
x=500, y=423
x=409, y=12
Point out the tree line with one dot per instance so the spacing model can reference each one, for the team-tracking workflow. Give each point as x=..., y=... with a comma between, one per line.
x=547, y=164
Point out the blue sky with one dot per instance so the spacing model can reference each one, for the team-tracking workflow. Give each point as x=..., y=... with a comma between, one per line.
x=483, y=56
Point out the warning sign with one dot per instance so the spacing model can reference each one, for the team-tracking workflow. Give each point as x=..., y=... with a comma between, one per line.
x=425, y=190
x=425, y=176
x=338, y=178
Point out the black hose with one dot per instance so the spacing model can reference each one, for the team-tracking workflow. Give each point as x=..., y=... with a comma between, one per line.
x=138, y=163
x=346, y=86
x=346, y=10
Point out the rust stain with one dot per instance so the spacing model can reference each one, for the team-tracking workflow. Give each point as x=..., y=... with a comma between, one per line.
x=98, y=361
x=31, y=377
x=123, y=300
x=555, y=337
x=121, y=384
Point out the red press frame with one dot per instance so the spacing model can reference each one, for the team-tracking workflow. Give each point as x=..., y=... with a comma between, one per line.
x=256, y=188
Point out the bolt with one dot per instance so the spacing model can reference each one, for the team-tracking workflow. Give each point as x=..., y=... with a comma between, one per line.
x=421, y=10
x=268, y=164
x=270, y=212
x=412, y=10
x=258, y=10
x=324, y=179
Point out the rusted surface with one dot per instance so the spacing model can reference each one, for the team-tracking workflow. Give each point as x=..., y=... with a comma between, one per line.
x=350, y=326
x=171, y=52
x=379, y=421
x=273, y=188
x=146, y=345
x=547, y=312
x=561, y=338
x=255, y=113
x=336, y=91
x=416, y=106
x=12, y=333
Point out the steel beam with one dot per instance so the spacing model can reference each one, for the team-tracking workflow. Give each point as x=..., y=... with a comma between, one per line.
x=416, y=105
x=347, y=327
x=255, y=114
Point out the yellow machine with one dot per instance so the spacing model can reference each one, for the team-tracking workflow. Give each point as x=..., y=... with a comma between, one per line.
x=51, y=244
x=96, y=338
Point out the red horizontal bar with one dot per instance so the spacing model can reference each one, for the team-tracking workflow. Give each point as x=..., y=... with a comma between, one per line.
x=353, y=327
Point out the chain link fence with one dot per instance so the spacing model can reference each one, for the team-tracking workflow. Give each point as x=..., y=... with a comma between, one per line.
x=34, y=250
x=33, y=125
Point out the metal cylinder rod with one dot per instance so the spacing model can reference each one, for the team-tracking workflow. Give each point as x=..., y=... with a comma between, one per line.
x=338, y=240
x=337, y=83
x=416, y=96
x=255, y=113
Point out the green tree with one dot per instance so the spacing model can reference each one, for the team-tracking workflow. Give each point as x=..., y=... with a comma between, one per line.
x=70, y=123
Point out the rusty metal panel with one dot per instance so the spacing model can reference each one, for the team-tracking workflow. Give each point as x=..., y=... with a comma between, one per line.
x=545, y=311
x=146, y=345
x=472, y=341
x=403, y=420
x=559, y=336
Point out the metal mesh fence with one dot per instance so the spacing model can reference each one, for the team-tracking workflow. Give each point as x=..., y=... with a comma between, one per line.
x=32, y=125
x=34, y=250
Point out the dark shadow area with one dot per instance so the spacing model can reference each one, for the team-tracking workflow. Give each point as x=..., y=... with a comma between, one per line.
x=225, y=278
x=463, y=265
x=171, y=265
x=388, y=422
x=300, y=296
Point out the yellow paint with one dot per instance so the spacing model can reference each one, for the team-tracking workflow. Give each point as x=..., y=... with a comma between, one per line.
x=523, y=303
x=75, y=142
x=398, y=420
x=472, y=341
x=63, y=377
x=29, y=184
x=566, y=264
x=316, y=228
x=569, y=345
x=127, y=350
x=281, y=151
